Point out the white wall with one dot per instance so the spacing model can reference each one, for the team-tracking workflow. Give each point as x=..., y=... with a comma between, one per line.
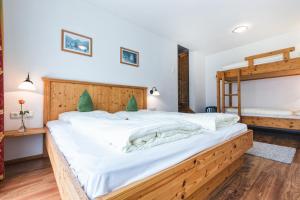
x=32, y=44
x=273, y=93
x=197, y=81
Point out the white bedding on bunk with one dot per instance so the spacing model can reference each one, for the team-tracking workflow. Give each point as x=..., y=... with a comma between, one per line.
x=100, y=169
x=266, y=112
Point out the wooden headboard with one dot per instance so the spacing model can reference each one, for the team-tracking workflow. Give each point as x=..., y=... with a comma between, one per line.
x=63, y=95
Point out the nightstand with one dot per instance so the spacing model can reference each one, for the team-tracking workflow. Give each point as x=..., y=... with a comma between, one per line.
x=28, y=132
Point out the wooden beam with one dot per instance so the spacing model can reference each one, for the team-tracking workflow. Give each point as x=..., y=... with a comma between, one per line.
x=282, y=123
x=230, y=94
x=239, y=91
x=223, y=93
x=218, y=95
x=266, y=70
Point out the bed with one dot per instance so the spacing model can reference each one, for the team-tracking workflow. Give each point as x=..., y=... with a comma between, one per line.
x=192, y=172
x=269, y=117
x=278, y=63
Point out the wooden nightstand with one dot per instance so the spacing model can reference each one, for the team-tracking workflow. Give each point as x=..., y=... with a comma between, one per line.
x=28, y=132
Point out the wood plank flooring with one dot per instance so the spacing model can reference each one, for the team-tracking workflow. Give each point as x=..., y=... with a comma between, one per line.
x=262, y=179
x=258, y=179
x=30, y=180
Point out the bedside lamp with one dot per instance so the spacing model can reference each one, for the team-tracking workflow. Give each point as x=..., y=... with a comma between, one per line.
x=154, y=91
x=27, y=84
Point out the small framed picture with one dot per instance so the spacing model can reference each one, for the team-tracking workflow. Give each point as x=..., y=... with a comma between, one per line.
x=76, y=43
x=129, y=57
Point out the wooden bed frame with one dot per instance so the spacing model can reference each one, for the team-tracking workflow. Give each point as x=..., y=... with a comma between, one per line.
x=286, y=67
x=193, y=178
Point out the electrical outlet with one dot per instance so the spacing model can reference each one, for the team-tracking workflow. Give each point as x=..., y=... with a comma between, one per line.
x=29, y=115
x=16, y=115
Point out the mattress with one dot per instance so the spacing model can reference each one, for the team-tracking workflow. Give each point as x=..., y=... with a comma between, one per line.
x=265, y=112
x=101, y=170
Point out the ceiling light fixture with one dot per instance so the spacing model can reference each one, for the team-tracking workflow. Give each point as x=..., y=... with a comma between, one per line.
x=240, y=29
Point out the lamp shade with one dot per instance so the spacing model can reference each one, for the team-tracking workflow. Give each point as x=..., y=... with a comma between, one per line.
x=154, y=91
x=27, y=84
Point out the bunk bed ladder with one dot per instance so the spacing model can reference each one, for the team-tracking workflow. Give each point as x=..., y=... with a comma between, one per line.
x=221, y=99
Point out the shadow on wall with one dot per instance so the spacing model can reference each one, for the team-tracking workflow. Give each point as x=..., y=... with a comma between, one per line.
x=33, y=102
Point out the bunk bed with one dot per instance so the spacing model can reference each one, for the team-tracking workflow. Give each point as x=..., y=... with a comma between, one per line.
x=287, y=66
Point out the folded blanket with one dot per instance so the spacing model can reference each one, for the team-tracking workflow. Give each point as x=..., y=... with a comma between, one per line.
x=131, y=135
x=212, y=121
x=209, y=121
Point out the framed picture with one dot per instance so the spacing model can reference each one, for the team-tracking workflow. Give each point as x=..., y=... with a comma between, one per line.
x=76, y=43
x=129, y=57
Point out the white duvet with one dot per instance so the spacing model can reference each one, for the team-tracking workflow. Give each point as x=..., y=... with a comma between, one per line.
x=130, y=135
x=208, y=121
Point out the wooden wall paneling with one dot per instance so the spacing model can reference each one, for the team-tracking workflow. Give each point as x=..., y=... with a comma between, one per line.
x=102, y=97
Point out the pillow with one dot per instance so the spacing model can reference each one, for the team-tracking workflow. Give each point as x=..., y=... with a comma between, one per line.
x=67, y=116
x=85, y=103
x=132, y=105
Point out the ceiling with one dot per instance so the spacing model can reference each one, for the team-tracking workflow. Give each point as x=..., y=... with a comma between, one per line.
x=206, y=25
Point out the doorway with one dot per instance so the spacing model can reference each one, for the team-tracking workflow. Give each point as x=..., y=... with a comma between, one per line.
x=183, y=80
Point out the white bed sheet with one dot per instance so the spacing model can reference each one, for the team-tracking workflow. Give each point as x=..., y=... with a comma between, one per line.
x=265, y=112
x=101, y=170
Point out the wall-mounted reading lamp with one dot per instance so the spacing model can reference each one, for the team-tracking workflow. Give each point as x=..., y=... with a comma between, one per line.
x=27, y=84
x=154, y=91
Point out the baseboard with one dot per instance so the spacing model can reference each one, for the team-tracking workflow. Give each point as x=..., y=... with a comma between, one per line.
x=19, y=160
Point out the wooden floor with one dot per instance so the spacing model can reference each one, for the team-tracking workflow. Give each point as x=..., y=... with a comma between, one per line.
x=261, y=179
x=258, y=179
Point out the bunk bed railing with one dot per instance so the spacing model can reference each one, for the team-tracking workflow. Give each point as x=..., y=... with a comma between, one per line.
x=285, y=53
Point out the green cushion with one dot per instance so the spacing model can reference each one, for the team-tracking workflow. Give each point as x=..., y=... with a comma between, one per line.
x=132, y=105
x=85, y=103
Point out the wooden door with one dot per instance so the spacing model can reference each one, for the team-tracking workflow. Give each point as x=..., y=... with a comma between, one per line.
x=1, y=97
x=183, y=82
